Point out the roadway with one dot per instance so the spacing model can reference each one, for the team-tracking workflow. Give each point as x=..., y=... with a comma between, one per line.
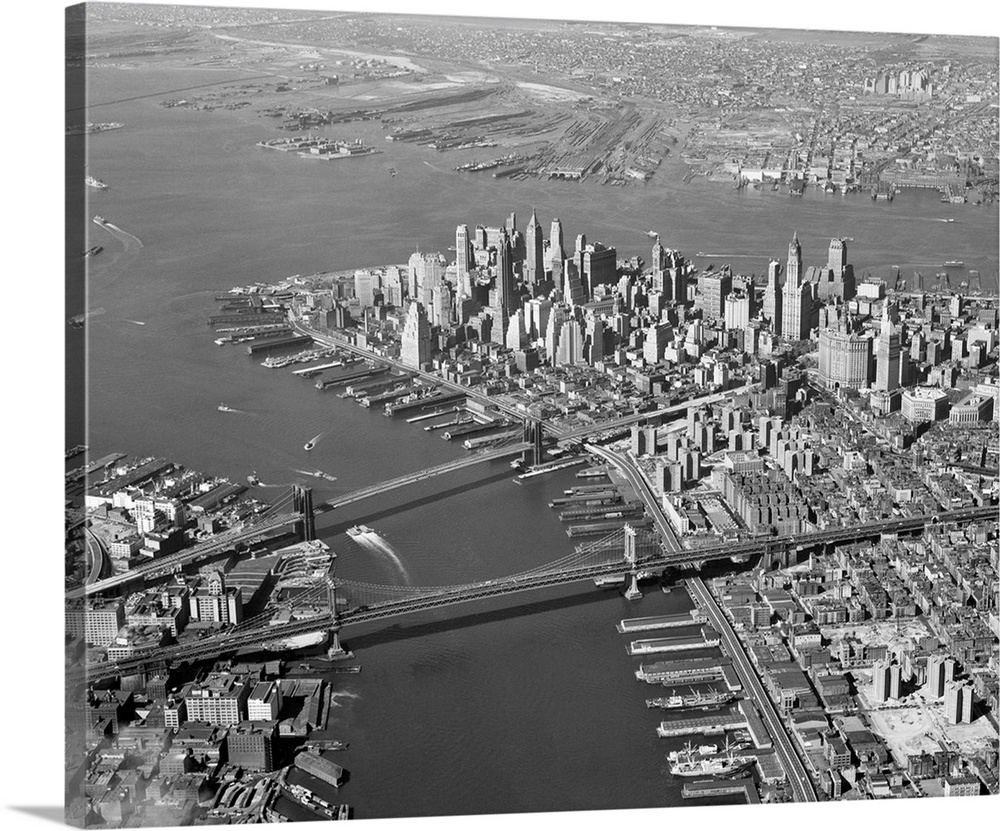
x=218, y=543
x=564, y=574
x=645, y=493
x=802, y=785
x=420, y=475
x=98, y=556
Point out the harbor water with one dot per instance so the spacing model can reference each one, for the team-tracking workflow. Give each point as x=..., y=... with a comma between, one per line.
x=526, y=703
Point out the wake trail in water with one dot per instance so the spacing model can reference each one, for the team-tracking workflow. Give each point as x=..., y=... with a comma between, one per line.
x=378, y=544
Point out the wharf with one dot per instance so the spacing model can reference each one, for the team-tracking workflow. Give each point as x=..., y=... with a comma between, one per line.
x=278, y=343
x=579, y=490
x=549, y=467
x=351, y=376
x=463, y=430
x=458, y=420
x=592, y=473
x=93, y=467
x=383, y=397
x=601, y=512
x=605, y=497
x=595, y=528
x=722, y=787
x=755, y=725
x=248, y=318
x=701, y=725
x=690, y=671
x=315, y=370
x=427, y=401
x=435, y=414
x=677, y=644
x=641, y=624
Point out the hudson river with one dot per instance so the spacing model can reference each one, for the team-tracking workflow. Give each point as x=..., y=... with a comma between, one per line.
x=523, y=704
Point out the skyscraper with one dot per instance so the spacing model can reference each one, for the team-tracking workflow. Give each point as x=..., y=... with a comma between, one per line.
x=416, y=341
x=958, y=702
x=556, y=252
x=534, y=263
x=658, y=261
x=772, y=296
x=570, y=350
x=845, y=358
x=796, y=297
x=505, y=278
x=463, y=251
x=887, y=355
x=713, y=289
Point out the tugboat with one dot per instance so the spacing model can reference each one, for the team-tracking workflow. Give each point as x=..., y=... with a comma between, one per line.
x=222, y=408
x=95, y=183
x=253, y=480
x=356, y=531
x=100, y=220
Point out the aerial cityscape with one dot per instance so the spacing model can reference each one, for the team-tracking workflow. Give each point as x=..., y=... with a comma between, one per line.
x=463, y=474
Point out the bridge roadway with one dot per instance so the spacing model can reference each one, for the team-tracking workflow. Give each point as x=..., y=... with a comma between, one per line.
x=802, y=785
x=420, y=475
x=218, y=543
x=230, y=641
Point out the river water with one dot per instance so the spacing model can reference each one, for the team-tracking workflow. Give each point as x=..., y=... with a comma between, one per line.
x=525, y=704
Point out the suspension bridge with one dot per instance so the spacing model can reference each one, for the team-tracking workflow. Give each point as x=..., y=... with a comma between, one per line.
x=628, y=552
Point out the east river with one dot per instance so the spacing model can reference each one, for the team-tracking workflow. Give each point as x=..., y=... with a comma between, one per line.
x=523, y=704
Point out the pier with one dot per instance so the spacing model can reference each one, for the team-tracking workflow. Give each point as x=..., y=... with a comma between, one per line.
x=722, y=787
x=642, y=624
x=351, y=376
x=277, y=343
x=705, y=640
x=712, y=725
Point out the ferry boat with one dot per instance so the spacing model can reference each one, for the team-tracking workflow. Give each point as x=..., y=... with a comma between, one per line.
x=95, y=183
x=222, y=408
x=356, y=531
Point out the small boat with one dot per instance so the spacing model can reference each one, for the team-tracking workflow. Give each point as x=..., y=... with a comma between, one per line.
x=222, y=408
x=356, y=531
x=954, y=264
x=100, y=220
x=93, y=251
x=253, y=479
x=95, y=183
x=309, y=445
x=652, y=234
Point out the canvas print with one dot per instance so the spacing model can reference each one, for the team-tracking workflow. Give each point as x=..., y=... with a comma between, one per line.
x=474, y=416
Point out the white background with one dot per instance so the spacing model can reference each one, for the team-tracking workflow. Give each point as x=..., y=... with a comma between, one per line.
x=31, y=241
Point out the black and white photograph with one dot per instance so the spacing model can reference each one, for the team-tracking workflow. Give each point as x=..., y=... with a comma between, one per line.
x=482, y=414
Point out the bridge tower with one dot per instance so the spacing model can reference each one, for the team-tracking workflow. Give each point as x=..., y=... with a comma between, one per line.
x=533, y=435
x=632, y=592
x=302, y=503
x=335, y=650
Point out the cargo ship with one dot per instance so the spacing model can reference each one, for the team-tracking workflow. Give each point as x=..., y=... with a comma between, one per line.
x=95, y=183
x=356, y=531
x=689, y=763
x=697, y=700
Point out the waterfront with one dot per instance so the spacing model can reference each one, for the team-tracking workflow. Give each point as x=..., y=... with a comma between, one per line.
x=501, y=712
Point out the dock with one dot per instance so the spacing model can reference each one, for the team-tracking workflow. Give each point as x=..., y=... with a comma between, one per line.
x=592, y=473
x=314, y=370
x=722, y=787
x=689, y=671
x=435, y=414
x=278, y=343
x=715, y=724
x=434, y=400
x=642, y=624
x=351, y=376
x=705, y=640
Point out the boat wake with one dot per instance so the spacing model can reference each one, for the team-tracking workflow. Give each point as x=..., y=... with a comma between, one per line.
x=376, y=543
x=124, y=237
x=335, y=695
x=136, y=322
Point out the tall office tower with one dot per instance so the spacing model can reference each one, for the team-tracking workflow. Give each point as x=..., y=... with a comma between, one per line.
x=574, y=291
x=657, y=337
x=958, y=702
x=556, y=248
x=426, y=271
x=598, y=266
x=739, y=309
x=659, y=263
x=393, y=285
x=517, y=337
x=553, y=330
x=882, y=678
x=887, y=355
x=512, y=222
x=677, y=278
x=416, y=342
x=845, y=358
x=581, y=243
x=796, y=306
x=464, y=256
x=479, y=237
x=442, y=305
x=534, y=264
x=366, y=285
x=570, y=351
x=772, y=296
x=505, y=276
x=713, y=289
x=593, y=346
x=539, y=309
x=793, y=270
